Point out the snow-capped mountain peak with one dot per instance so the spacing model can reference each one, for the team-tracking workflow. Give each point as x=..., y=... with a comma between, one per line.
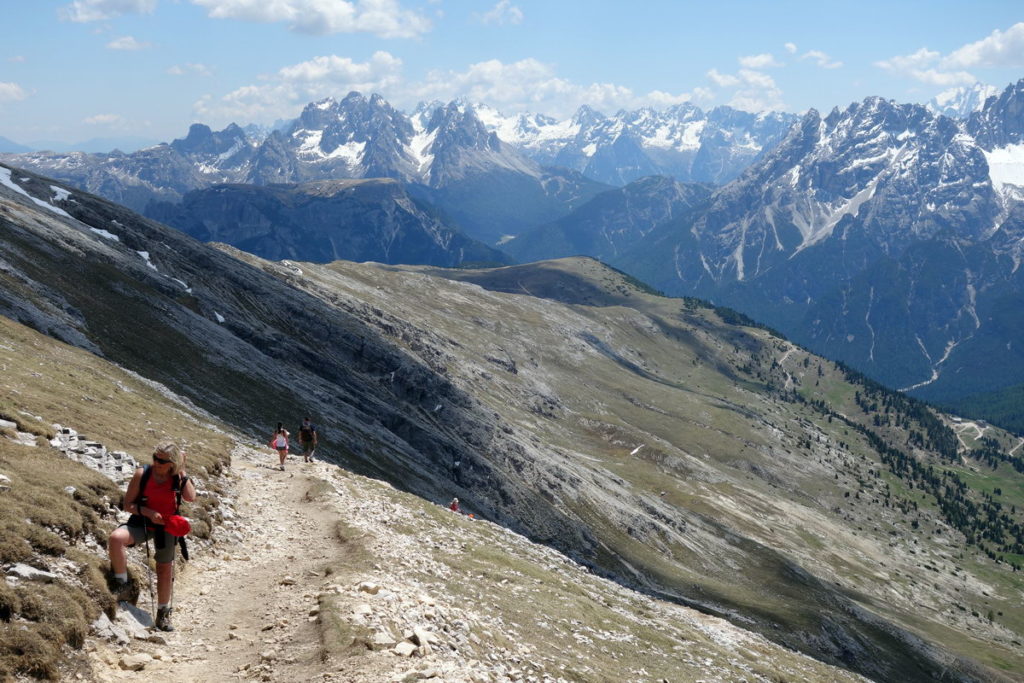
x=961, y=102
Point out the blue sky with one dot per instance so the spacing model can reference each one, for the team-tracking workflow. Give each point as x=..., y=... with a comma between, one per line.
x=95, y=68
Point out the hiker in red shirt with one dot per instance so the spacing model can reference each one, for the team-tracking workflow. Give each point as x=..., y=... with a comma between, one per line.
x=153, y=496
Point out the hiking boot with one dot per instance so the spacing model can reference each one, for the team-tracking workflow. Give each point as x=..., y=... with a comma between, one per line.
x=163, y=619
x=123, y=590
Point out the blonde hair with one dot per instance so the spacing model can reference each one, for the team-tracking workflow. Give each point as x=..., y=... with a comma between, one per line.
x=169, y=451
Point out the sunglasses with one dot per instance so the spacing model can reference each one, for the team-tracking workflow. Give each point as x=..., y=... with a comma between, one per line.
x=161, y=461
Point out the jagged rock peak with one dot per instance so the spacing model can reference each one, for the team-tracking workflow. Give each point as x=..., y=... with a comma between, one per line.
x=687, y=111
x=325, y=103
x=354, y=97
x=457, y=123
x=587, y=116
x=201, y=139
x=1001, y=121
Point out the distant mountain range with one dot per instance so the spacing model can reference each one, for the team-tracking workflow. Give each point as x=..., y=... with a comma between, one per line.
x=683, y=141
x=882, y=234
x=93, y=145
x=495, y=176
x=10, y=146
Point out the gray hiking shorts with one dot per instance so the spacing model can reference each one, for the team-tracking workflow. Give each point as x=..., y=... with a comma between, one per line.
x=162, y=555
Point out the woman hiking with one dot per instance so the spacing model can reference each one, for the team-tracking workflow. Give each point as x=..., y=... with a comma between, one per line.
x=152, y=499
x=279, y=442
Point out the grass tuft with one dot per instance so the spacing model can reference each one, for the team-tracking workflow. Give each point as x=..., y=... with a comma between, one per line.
x=27, y=650
x=340, y=638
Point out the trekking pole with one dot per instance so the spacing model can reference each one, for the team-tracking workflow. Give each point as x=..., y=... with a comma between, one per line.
x=149, y=573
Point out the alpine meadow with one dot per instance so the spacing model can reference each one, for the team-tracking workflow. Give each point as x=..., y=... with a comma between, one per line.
x=508, y=341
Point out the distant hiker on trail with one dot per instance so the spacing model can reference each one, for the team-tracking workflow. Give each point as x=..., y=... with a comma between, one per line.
x=279, y=442
x=454, y=505
x=153, y=497
x=308, y=439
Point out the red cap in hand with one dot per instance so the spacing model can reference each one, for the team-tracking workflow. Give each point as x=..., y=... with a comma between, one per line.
x=177, y=525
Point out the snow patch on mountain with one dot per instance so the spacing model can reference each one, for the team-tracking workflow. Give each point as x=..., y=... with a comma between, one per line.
x=959, y=103
x=822, y=219
x=106, y=234
x=5, y=179
x=1006, y=167
x=351, y=152
x=309, y=142
x=526, y=130
x=681, y=137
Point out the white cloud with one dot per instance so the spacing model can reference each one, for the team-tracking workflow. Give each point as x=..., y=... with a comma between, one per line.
x=823, y=60
x=380, y=71
x=103, y=120
x=921, y=66
x=917, y=60
x=503, y=13
x=790, y=48
x=752, y=90
x=723, y=80
x=284, y=93
x=762, y=61
x=16, y=58
x=998, y=49
x=11, y=92
x=531, y=85
x=100, y=10
x=126, y=43
x=1004, y=49
x=190, y=68
x=384, y=18
x=756, y=79
x=661, y=100
x=526, y=85
x=758, y=92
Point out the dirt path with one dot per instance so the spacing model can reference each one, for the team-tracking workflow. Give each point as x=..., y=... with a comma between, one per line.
x=248, y=611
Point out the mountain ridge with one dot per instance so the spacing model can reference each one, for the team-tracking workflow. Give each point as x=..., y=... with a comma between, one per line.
x=325, y=220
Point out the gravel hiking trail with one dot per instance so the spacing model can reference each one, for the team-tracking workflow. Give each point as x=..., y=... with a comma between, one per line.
x=249, y=610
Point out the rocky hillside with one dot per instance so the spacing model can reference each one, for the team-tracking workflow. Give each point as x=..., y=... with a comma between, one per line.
x=355, y=220
x=662, y=443
x=396, y=588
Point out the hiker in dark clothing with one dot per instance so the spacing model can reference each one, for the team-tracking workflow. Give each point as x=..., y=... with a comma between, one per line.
x=307, y=439
x=152, y=500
